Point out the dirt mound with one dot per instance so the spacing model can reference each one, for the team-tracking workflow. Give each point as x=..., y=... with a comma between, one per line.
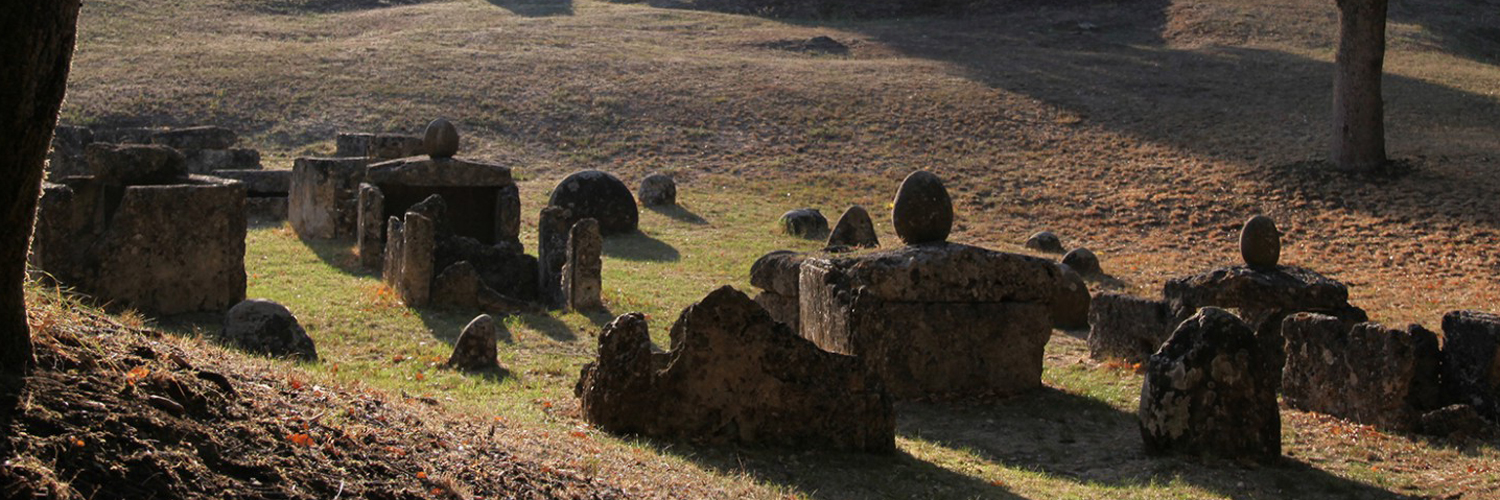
x=119, y=412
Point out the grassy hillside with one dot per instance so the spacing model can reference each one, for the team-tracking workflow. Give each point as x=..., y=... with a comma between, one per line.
x=1144, y=130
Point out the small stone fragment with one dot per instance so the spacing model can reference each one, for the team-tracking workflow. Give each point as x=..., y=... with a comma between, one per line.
x=922, y=211
x=441, y=139
x=1455, y=422
x=658, y=190
x=475, y=349
x=1083, y=261
x=1045, y=241
x=266, y=327
x=804, y=223
x=1260, y=242
x=1209, y=391
x=854, y=229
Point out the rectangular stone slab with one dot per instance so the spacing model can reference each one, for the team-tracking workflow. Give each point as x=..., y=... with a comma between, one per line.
x=1366, y=372
x=945, y=272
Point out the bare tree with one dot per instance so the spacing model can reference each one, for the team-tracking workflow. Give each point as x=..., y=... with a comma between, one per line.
x=1358, y=111
x=36, y=49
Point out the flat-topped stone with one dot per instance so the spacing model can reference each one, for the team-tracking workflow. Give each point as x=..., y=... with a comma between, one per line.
x=947, y=272
x=1471, y=361
x=323, y=198
x=380, y=146
x=425, y=171
x=804, y=223
x=200, y=137
x=260, y=182
x=135, y=164
x=1127, y=327
x=1288, y=288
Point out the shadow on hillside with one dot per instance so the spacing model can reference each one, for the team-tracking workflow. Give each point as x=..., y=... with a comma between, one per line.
x=293, y=7
x=1469, y=28
x=536, y=8
x=1088, y=441
x=639, y=246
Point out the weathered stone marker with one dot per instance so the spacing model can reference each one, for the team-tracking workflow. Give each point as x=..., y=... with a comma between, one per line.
x=854, y=229
x=581, y=274
x=804, y=223
x=1471, y=361
x=1260, y=243
x=441, y=139
x=266, y=327
x=1070, y=307
x=657, y=190
x=733, y=375
x=1365, y=372
x=777, y=273
x=475, y=349
x=1083, y=261
x=324, y=199
x=592, y=194
x=552, y=253
x=922, y=211
x=1210, y=391
x=1127, y=327
x=1045, y=241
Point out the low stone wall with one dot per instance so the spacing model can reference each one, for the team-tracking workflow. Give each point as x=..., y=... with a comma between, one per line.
x=1363, y=372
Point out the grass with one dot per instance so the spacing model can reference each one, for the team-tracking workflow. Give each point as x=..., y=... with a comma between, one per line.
x=1147, y=139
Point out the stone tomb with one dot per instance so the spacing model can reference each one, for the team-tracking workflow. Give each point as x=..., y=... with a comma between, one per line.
x=266, y=192
x=1471, y=361
x=481, y=200
x=144, y=233
x=733, y=375
x=934, y=319
x=377, y=146
x=1127, y=327
x=205, y=149
x=323, y=198
x=1362, y=372
x=428, y=263
x=778, y=274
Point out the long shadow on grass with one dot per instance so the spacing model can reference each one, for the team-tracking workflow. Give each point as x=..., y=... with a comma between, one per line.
x=447, y=324
x=536, y=8
x=337, y=253
x=1088, y=441
x=828, y=475
x=639, y=246
x=680, y=213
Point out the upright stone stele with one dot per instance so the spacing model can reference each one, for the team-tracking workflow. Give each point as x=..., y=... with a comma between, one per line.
x=370, y=238
x=581, y=274
x=475, y=349
x=922, y=211
x=854, y=229
x=552, y=254
x=1210, y=391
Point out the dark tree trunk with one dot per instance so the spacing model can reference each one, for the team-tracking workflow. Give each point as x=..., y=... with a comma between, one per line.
x=1358, y=112
x=36, y=47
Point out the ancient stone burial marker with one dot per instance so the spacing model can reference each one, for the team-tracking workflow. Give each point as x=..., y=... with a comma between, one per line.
x=1210, y=391
x=441, y=139
x=1471, y=361
x=1365, y=372
x=266, y=327
x=475, y=349
x=733, y=375
x=1083, y=261
x=657, y=190
x=428, y=263
x=141, y=232
x=1260, y=243
x=378, y=146
x=581, y=274
x=937, y=319
x=553, y=228
x=591, y=194
x=1127, y=327
x=1070, y=308
x=323, y=199
x=1045, y=241
x=922, y=211
x=804, y=223
x=854, y=229
x=777, y=273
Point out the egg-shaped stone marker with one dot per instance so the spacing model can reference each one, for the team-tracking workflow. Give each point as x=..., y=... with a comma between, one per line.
x=922, y=211
x=441, y=140
x=1260, y=242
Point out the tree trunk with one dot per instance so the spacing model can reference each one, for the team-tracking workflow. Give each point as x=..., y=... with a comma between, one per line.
x=1358, y=112
x=36, y=48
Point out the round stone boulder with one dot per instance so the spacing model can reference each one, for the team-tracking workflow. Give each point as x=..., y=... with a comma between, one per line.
x=1070, y=307
x=1260, y=242
x=1083, y=261
x=804, y=223
x=441, y=140
x=922, y=211
x=265, y=327
x=1045, y=241
x=658, y=190
x=592, y=194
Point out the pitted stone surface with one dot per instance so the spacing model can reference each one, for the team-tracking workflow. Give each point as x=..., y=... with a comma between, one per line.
x=378, y=146
x=922, y=211
x=1070, y=307
x=1365, y=372
x=854, y=229
x=934, y=320
x=657, y=190
x=733, y=375
x=592, y=194
x=582, y=273
x=133, y=164
x=425, y=171
x=323, y=201
x=1209, y=391
x=475, y=348
x=266, y=327
x=1471, y=361
x=778, y=272
x=1127, y=327
x=804, y=223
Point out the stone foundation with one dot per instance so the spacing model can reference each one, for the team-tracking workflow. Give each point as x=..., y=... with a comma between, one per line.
x=1366, y=373
x=1126, y=327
